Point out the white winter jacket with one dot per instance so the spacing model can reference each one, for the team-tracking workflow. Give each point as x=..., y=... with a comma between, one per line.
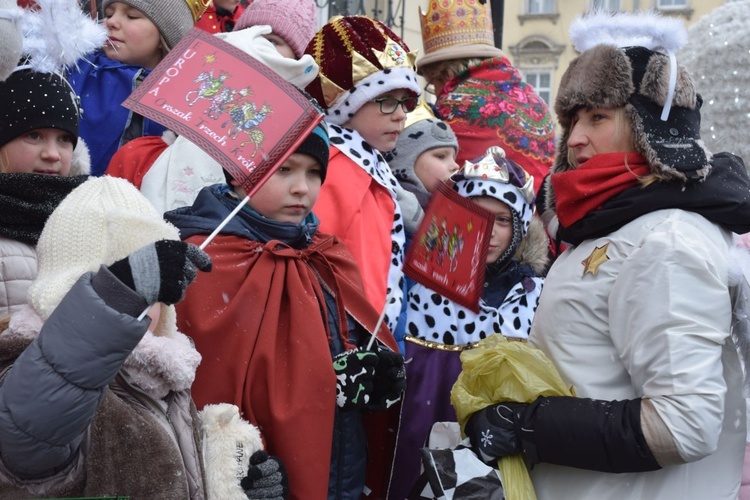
x=645, y=312
x=17, y=270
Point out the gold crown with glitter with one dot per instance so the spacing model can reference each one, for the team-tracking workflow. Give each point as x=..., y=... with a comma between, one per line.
x=456, y=22
x=197, y=7
x=421, y=112
x=493, y=166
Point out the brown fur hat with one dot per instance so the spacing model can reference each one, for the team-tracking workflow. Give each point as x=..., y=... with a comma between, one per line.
x=637, y=78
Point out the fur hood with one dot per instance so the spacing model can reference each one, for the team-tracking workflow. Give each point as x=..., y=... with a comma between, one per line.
x=158, y=364
x=534, y=249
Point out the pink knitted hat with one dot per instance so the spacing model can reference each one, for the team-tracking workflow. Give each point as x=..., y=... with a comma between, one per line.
x=292, y=20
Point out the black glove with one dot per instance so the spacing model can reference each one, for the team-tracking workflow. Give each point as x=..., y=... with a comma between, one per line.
x=584, y=433
x=161, y=271
x=266, y=478
x=493, y=431
x=390, y=380
x=355, y=374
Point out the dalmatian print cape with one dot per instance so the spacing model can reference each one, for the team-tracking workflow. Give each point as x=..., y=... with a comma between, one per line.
x=432, y=317
x=353, y=145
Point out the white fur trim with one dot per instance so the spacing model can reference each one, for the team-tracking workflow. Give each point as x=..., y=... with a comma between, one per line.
x=624, y=29
x=368, y=89
x=228, y=443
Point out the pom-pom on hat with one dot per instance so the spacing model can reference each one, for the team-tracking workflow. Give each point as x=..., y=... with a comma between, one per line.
x=292, y=20
x=31, y=100
x=457, y=30
x=628, y=61
x=360, y=58
x=101, y=221
x=422, y=132
x=173, y=18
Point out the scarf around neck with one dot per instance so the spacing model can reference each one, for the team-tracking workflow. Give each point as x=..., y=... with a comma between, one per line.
x=586, y=188
x=723, y=198
x=27, y=201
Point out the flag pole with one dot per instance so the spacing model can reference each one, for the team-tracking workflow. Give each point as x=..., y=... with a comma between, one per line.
x=212, y=236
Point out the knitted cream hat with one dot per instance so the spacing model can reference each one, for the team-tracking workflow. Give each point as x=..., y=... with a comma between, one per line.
x=101, y=221
x=173, y=18
x=292, y=20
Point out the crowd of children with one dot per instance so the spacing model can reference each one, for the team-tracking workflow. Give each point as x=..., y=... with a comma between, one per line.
x=292, y=357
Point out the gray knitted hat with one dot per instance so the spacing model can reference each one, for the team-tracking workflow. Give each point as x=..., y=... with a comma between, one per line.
x=173, y=18
x=416, y=138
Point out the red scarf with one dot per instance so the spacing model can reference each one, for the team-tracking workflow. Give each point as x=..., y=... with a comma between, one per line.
x=588, y=187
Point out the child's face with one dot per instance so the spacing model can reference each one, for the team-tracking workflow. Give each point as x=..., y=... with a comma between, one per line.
x=41, y=151
x=502, y=230
x=380, y=130
x=290, y=193
x=434, y=166
x=133, y=38
x=280, y=45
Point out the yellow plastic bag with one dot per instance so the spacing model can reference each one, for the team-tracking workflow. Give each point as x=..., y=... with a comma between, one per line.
x=497, y=370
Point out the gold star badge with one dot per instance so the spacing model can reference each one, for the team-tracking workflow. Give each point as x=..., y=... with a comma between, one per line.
x=597, y=258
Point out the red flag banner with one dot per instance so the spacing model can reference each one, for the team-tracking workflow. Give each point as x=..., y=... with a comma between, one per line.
x=449, y=251
x=240, y=112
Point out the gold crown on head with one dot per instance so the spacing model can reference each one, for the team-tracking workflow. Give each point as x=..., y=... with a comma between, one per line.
x=489, y=168
x=197, y=7
x=456, y=22
x=421, y=112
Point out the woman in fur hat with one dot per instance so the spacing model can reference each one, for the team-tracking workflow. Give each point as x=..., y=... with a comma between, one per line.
x=637, y=314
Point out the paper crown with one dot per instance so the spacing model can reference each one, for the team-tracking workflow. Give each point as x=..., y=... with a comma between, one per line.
x=494, y=166
x=456, y=22
x=197, y=7
x=421, y=112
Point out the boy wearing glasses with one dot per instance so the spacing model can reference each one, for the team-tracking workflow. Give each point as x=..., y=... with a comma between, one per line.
x=366, y=85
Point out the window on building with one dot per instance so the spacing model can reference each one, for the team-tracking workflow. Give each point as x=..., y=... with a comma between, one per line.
x=608, y=5
x=541, y=7
x=671, y=4
x=542, y=83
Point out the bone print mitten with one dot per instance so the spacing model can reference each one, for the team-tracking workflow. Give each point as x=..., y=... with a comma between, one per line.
x=355, y=372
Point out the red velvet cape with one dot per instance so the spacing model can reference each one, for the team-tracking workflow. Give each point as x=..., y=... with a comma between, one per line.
x=258, y=319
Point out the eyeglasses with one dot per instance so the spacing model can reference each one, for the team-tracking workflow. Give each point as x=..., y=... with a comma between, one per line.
x=388, y=105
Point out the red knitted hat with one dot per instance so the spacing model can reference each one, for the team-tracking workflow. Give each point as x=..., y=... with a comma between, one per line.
x=360, y=58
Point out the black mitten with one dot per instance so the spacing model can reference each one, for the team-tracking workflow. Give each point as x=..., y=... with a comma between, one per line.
x=493, y=431
x=355, y=372
x=162, y=271
x=390, y=379
x=266, y=478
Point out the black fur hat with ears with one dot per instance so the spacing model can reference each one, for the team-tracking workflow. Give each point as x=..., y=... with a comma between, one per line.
x=622, y=65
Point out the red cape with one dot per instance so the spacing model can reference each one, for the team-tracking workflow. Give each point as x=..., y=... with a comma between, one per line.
x=256, y=320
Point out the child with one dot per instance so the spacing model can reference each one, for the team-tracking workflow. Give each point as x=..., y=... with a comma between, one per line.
x=69, y=354
x=41, y=161
x=439, y=329
x=366, y=85
x=171, y=171
x=283, y=299
x=141, y=33
x=292, y=23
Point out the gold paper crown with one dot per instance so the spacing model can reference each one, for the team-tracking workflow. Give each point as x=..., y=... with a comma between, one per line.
x=489, y=168
x=456, y=22
x=421, y=112
x=197, y=7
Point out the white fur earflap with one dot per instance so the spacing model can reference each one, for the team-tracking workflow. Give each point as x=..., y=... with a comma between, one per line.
x=228, y=443
x=625, y=29
x=57, y=34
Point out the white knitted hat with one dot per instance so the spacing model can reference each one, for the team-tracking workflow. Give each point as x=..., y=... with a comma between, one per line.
x=101, y=221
